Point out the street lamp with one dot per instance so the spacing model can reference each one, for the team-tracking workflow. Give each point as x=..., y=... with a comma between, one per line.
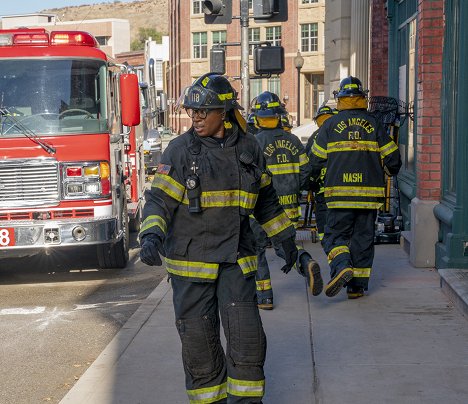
x=298, y=62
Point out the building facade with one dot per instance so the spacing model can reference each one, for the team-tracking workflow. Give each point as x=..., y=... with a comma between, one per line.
x=192, y=39
x=426, y=60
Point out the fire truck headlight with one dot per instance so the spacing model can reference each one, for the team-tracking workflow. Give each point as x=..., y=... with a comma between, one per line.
x=74, y=188
x=92, y=188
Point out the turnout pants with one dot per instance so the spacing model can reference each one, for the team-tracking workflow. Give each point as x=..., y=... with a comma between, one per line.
x=320, y=214
x=212, y=376
x=262, y=276
x=349, y=242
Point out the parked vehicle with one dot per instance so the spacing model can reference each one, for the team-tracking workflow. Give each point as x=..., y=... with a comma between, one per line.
x=71, y=146
x=153, y=150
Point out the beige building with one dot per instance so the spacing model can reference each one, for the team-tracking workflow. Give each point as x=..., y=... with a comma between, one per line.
x=192, y=39
x=112, y=34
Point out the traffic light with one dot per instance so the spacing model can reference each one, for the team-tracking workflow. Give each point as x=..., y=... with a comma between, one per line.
x=268, y=59
x=270, y=10
x=218, y=60
x=217, y=11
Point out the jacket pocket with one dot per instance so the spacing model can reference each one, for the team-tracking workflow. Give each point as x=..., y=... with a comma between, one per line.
x=179, y=246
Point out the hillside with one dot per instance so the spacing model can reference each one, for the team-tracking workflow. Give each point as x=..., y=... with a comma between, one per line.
x=142, y=13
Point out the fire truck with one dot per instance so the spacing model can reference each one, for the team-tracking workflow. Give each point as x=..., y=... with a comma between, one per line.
x=71, y=155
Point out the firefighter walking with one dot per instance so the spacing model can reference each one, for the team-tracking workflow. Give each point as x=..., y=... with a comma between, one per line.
x=316, y=185
x=352, y=145
x=210, y=180
x=289, y=166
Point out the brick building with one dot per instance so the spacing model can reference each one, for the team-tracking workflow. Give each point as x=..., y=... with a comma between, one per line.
x=426, y=58
x=192, y=39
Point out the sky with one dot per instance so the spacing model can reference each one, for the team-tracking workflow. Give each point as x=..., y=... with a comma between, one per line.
x=12, y=7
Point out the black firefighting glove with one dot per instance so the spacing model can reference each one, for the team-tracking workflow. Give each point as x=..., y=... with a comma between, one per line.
x=151, y=247
x=290, y=254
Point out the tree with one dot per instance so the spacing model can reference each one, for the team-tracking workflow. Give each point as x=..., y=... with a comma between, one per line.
x=143, y=34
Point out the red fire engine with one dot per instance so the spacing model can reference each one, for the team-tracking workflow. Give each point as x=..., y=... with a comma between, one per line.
x=71, y=156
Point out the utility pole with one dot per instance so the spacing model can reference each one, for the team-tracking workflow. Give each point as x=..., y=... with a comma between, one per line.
x=245, y=74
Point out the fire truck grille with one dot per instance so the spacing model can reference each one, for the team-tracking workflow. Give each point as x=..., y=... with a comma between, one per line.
x=28, y=182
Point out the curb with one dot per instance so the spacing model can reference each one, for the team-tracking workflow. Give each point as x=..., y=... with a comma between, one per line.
x=454, y=283
x=82, y=392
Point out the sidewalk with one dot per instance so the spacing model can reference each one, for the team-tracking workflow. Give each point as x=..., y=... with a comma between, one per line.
x=403, y=343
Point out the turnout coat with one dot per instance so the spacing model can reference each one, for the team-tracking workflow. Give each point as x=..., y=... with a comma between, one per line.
x=233, y=185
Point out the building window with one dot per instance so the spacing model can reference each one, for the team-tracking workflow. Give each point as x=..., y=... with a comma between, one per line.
x=219, y=37
x=274, y=85
x=411, y=89
x=197, y=7
x=200, y=47
x=254, y=36
x=309, y=37
x=273, y=34
x=159, y=70
x=309, y=1
x=102, y=40
x=255, y=88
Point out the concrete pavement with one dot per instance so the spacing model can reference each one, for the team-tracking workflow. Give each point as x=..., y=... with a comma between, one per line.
x=405, y=342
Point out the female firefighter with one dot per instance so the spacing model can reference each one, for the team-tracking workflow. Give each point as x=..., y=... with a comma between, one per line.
x=210, y=180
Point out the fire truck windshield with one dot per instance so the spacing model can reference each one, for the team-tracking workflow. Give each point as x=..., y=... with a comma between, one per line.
x=52, y=96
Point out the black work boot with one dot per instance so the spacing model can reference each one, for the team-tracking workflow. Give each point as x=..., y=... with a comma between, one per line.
x=354, y=292
x=266, y=303
x=311, y=270
x=338, y=281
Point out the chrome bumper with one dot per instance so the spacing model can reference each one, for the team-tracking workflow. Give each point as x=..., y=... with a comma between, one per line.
x=33, y=236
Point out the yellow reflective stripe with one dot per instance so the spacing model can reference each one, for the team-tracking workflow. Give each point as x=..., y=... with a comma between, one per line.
x=264, y=285
x=277, y=225
x=303, y=159
x=248, y=264
x=269, y=105
x=354, y=191
x=154, y=220
x=192, y=269
x=265, y=180
x=207, y=394
x=353, y=145
x=169, y=185
x=361, y=272
x=226, y=96
x=320, y=236
x=351, y=85
x=319, y=151
x=341, y=249
x=246, y=388
x=354, y=205
x=286, y=168
x=293, y=213
x=389, y=148
x=220, y=199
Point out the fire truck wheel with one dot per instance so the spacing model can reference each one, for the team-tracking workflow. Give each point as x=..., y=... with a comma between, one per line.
x=135, y=223
x=115, y=255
